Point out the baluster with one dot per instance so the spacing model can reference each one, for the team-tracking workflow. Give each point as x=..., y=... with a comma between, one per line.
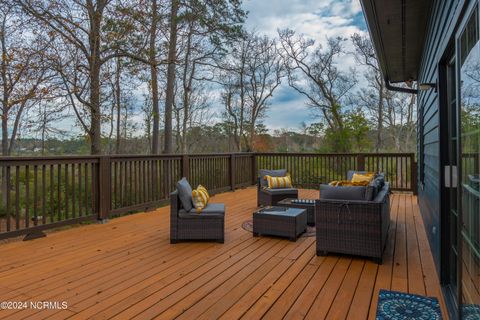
x=17, y=197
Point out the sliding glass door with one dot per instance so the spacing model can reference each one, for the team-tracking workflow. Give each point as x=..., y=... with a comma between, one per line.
x=468, y=62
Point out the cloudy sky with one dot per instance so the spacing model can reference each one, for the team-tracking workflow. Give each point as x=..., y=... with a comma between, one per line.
x=317, y=19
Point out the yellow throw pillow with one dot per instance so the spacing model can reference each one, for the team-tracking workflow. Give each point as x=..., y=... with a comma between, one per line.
x=362, y=177
x=202, y=188
x=200, y=198
x=347, y=183
x=279, y=182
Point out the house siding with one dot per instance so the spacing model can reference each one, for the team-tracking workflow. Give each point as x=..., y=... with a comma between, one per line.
x=440, y=32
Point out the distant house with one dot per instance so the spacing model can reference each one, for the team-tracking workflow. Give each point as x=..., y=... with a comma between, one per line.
x=436, y=44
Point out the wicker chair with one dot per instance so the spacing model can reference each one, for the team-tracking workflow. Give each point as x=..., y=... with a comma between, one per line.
x=208, y=225
x=270, y=197
x=355, y=227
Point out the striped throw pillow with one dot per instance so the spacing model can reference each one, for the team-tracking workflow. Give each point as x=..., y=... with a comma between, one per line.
x=279, y=182
x=204, y=190
x=200, y=198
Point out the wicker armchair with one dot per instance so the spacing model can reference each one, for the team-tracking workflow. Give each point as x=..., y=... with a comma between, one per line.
x=208, y=225
x=354, y=227
x=270, y=197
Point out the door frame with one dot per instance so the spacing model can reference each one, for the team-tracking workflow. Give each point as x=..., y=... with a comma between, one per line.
x=451, y=298
x=469, y=11
x=452, y=51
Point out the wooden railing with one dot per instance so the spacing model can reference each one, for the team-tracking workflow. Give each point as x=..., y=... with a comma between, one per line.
x=38, y=193
x=48, y=191
x=308, y=170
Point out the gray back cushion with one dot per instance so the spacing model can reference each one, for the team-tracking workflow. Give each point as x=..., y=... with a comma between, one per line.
x=370, y=192
x=273, y=173
x=374, y=187
x=382, y=193
x=342, y=193
x=380, y=180
x=185, y=194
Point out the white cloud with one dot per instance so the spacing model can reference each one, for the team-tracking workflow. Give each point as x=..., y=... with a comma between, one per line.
x=316, y=19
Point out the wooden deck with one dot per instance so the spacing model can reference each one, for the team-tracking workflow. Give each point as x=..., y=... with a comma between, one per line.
x=126, y=269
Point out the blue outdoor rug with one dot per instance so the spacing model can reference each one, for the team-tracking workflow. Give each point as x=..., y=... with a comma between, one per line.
x=394, y=305
x=470, y=312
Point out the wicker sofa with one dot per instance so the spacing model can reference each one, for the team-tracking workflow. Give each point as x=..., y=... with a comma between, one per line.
x=270, y=197
x=352, y=226
x=190, y=225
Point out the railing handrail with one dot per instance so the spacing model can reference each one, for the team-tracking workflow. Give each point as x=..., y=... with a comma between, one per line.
x=179, y=155
x=81, y=157
x=335, y=154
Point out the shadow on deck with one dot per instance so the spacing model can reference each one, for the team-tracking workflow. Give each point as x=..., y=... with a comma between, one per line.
x=127, y=269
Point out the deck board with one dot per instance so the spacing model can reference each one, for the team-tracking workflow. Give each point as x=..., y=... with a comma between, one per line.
x=127, y=269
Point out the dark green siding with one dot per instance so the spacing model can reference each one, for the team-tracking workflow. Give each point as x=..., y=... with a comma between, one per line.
x=442, y=22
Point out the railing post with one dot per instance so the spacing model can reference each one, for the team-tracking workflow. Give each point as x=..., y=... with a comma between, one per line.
x=185, y=166
x=232, y=171
x=104, y=188
x=360, y=162
x=414, y=177
x=254, y=168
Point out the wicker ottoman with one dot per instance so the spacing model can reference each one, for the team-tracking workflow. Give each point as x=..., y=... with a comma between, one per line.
x=306, y=204
x=280, y=221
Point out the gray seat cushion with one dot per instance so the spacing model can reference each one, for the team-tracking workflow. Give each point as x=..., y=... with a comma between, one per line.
x=211, y=210
x=342, y=192
x=281, y=191
x=273, y=173
x=185, y=194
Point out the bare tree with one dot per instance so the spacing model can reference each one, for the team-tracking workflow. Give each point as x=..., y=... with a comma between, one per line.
x=43, y=121
x=79, y=25
x=313, y=72
x=234, y=83
x=143, y=19
x=265, y=71
x=399, y=120
x=121, y=80
x=392, y=112
x=23, y=71
x=374, y=97
x=251, y=74
x=172, y=56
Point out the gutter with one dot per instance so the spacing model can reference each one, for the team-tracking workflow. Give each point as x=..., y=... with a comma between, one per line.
x=389, y=86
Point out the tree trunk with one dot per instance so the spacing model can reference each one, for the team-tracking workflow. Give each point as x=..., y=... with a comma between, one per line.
x=118, y=102
x=44, y=128
x=242, y=109
x=5, y=88
x=96, y=147
x=154, y=78
x=250, y=144
x=5, y=148
x=95, y=65
x=172, y=55
x=5, y=151
x=187, y=87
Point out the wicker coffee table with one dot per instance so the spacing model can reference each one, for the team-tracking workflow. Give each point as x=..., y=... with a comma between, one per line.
x=280, y=221
x=306, y=204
